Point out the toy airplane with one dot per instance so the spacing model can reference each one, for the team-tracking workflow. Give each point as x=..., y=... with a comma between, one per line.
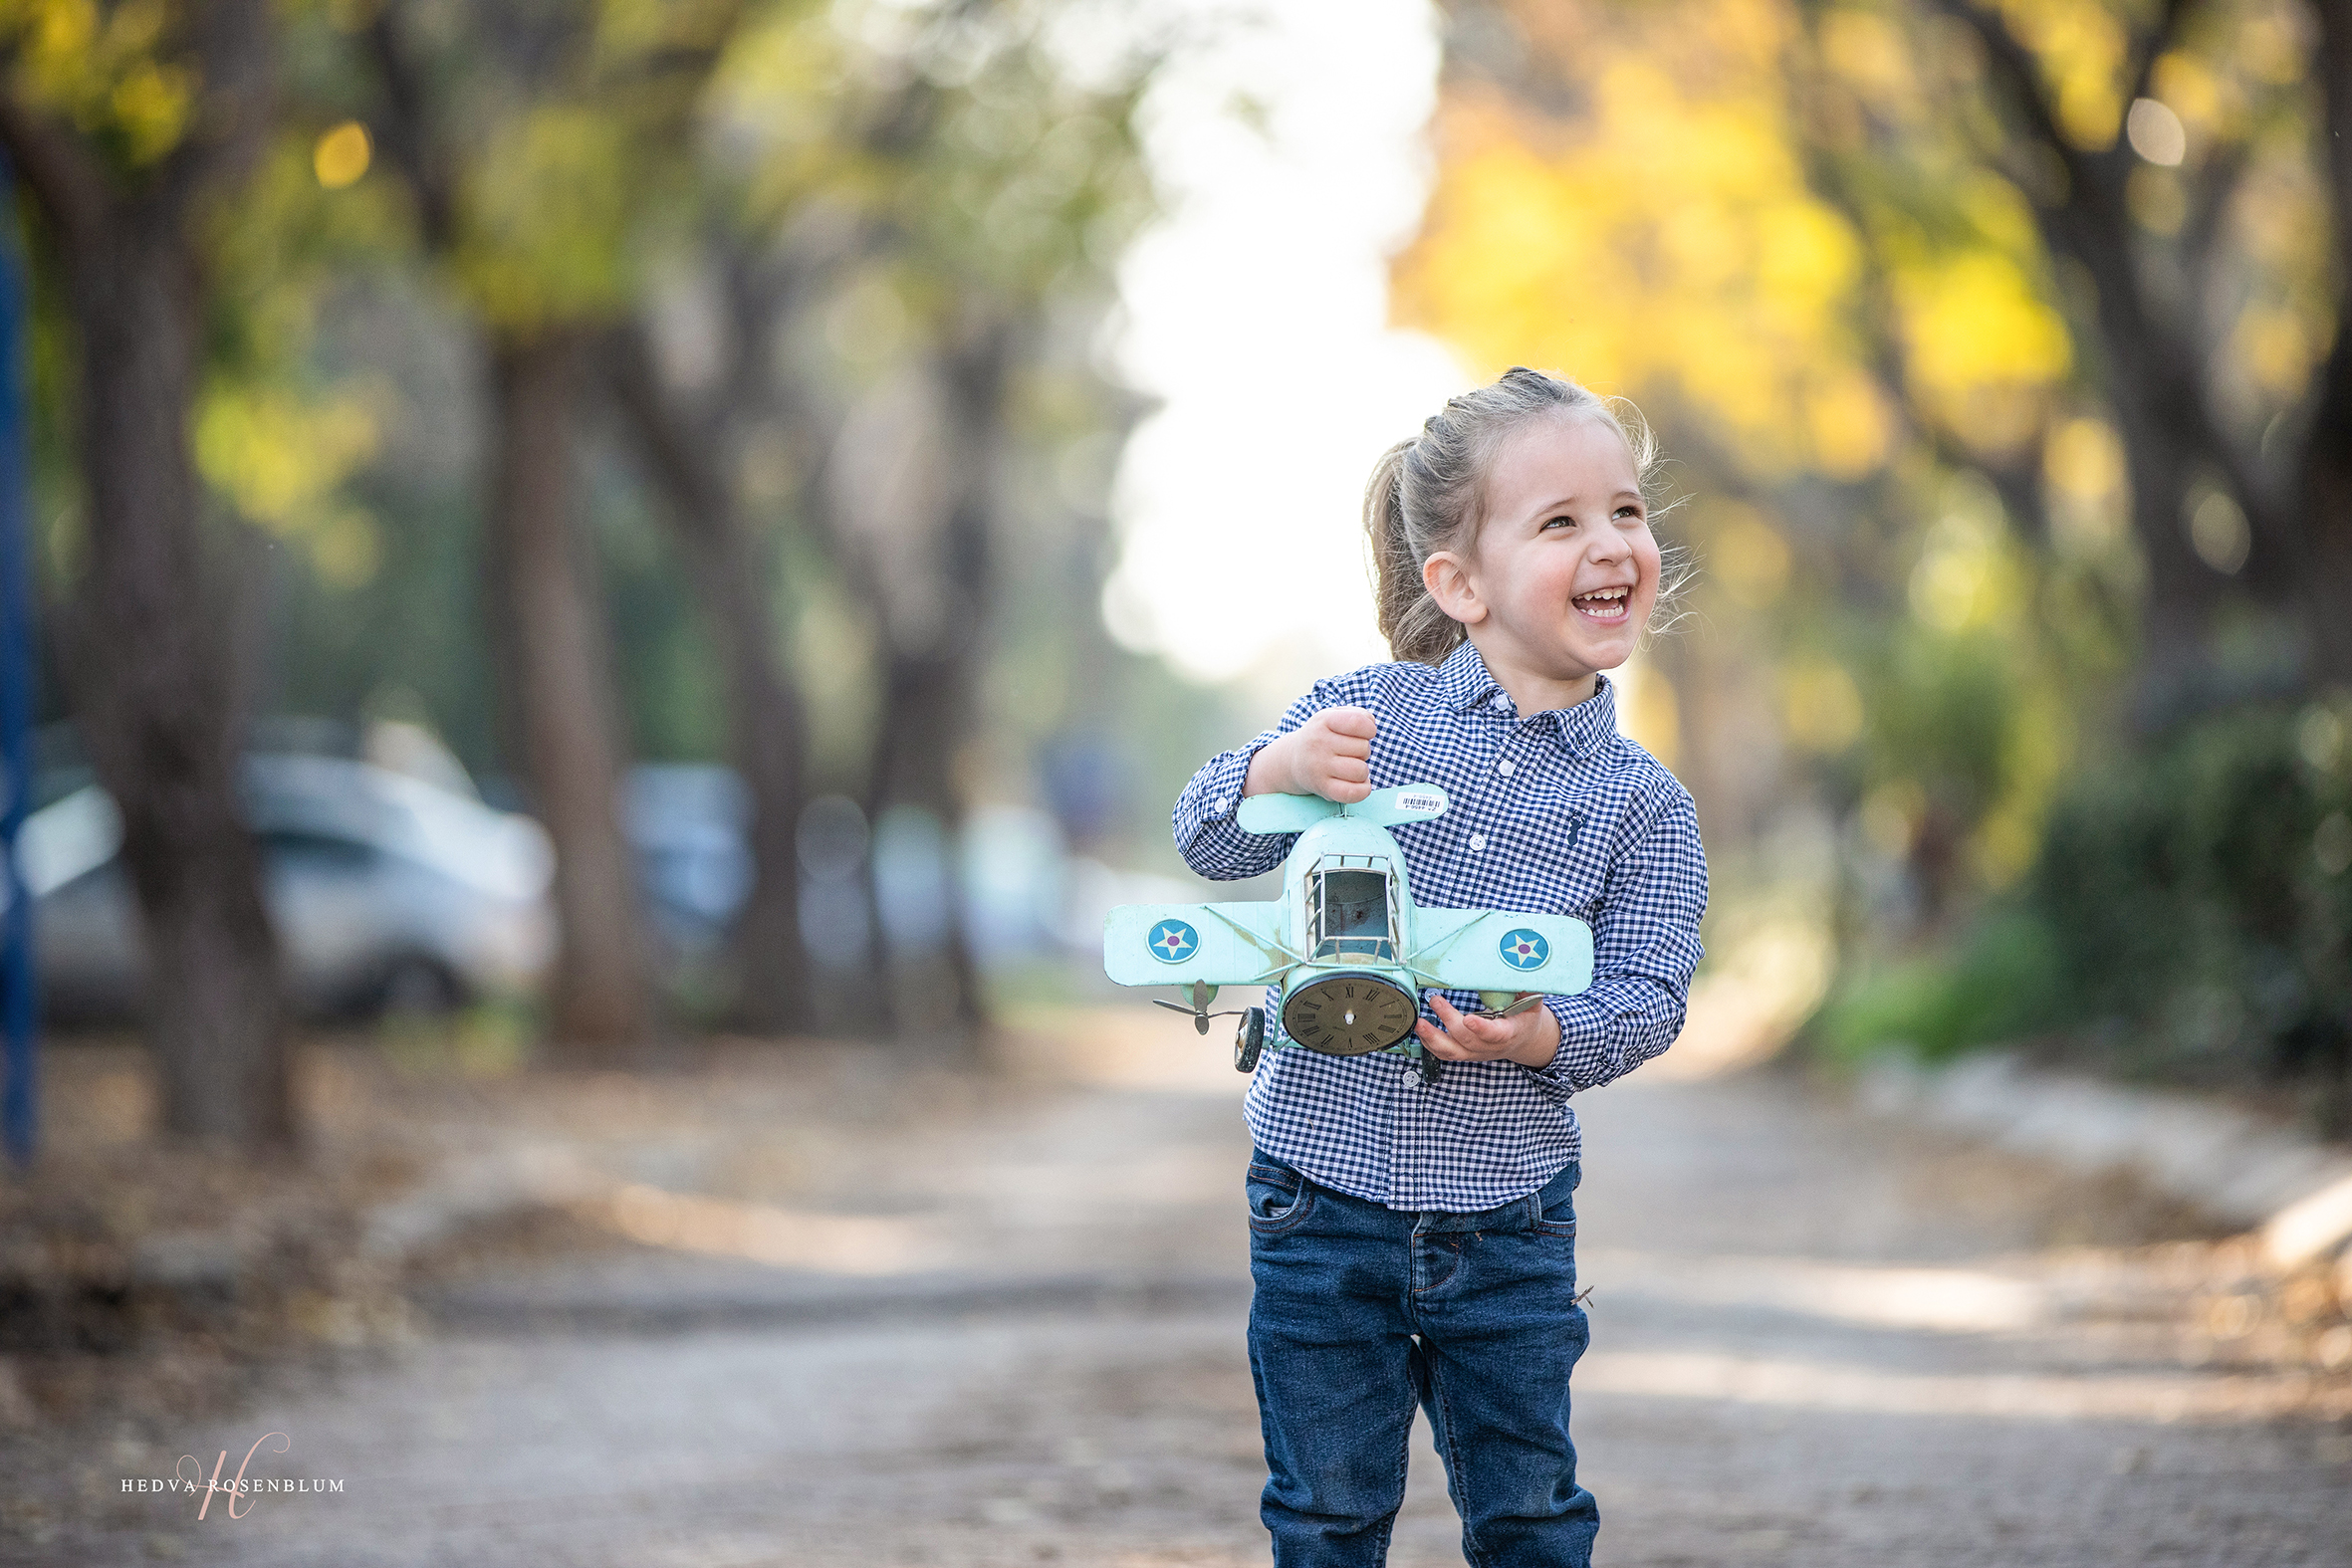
x=1344, y=943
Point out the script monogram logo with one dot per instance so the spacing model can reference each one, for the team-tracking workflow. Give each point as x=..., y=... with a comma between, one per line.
x=236, y=1487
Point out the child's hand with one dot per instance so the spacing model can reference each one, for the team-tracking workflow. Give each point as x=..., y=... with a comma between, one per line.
x=1530, y=1038
x=1331, y=755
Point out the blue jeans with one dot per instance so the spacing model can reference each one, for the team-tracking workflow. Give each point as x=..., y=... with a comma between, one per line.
x=1360, y=1312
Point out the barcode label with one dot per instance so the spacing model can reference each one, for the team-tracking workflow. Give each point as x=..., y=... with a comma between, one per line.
x=1420, y=800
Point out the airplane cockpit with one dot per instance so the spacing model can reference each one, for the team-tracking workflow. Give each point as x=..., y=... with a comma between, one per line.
x=1351, y=909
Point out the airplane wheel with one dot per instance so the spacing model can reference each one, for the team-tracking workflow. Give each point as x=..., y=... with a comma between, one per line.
x=1248, y=1040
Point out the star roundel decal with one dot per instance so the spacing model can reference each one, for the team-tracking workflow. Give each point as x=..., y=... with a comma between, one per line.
x=1172, y=942
x=1524, y=949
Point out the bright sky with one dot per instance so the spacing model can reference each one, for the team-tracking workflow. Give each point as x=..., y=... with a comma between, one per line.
x=1257, y=314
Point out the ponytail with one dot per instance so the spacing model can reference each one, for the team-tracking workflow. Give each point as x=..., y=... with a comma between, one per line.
x=1428, y=495
x=1410, y=619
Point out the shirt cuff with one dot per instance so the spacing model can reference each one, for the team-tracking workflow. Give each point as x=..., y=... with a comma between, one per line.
x=1554, y=1078
x=1216, y=793
x=1207, y=835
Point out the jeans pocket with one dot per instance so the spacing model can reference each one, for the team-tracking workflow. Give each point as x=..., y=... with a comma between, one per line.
x=1557, y=1196
x=1560, y=1219
x=1279, y=1197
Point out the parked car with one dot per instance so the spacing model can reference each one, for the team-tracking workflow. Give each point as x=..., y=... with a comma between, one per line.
x=688, y=824
x=386, y=892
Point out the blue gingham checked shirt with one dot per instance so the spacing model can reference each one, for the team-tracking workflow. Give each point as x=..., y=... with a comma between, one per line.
x=1551, y=814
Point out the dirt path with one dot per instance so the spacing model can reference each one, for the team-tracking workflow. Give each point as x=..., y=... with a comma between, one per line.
x=1005, y=1327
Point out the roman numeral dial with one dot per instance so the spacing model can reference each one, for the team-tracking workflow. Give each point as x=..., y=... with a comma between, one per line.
x=1349, y=1014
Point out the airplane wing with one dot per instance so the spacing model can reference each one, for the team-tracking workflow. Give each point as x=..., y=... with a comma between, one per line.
x=1296, y=813
x=1497, y=950
x=1177, y=943
x=1409, y=803
x=1282, y=813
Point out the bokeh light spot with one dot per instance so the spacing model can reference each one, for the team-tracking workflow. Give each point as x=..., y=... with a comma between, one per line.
x=2218, y=532
x=1749, y=557
x=2156, y=132
x=1820, y=706
x=342, y=155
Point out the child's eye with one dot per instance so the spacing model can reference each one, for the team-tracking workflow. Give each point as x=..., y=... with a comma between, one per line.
x=1563, y=521
x=1629, y=507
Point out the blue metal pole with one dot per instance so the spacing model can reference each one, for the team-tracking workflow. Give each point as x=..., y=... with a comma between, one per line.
x=20, y=1012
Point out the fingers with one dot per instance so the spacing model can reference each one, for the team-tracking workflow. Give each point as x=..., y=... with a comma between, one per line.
x=1342, y=753
x=1340, y=742
x=1463, y=1037
x=1468, y=1025
x=1345, y=779
x=1446, y=1047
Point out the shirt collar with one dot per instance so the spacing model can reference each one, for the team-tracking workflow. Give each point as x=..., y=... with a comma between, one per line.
x=1464, y=679
x=1576, y=731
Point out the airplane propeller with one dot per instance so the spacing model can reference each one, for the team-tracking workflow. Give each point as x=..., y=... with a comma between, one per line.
x=1202, y=994
x=1200, y=1019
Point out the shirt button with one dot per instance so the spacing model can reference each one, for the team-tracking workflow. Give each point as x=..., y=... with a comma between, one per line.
x=1222, y=803
x=1506, y=767
x=1478, y=840
x=1502, y=700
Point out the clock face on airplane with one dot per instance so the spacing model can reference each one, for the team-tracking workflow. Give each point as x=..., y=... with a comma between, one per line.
x=1348, y=1014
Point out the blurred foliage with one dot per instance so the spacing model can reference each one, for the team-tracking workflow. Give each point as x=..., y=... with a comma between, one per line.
x=2200, y=899
x=2189, y=918
x=1813, y=240
x=547, y=144
x=1805, y=234
x=112, y=70
x=1672, y=190
x=1999, y=983
x=1825, y=387
x=954, y=131
x=904, y=168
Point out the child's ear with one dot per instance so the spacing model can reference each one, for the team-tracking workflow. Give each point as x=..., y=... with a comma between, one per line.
x=1449, y=583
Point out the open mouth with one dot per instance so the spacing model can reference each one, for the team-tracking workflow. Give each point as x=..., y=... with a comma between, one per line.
x=1611, y=605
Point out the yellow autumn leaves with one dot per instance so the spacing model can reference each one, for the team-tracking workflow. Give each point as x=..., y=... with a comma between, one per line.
x=1669, y=242
x=1776, y=227
x=100, y=67
x=283, y=460
x=1566, y=254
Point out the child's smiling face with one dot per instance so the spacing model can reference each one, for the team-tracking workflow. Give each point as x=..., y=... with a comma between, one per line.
x=1561, y=574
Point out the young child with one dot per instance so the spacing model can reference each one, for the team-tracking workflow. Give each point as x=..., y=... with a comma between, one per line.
x=1415, y=1242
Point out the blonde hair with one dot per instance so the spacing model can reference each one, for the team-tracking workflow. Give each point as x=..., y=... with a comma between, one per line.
x=1428, y=493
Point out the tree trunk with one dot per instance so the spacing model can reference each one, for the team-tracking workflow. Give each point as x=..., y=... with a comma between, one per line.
x=767, y=734
x=151, y=675
x=930, y=700
x=2174, y=676
x=2326, y=479
x=554, y=659
x=772, y=968
x=2156, y=386
x=2327, y=513
x=926, y=713
x=2153, y=372
x=145, y=655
